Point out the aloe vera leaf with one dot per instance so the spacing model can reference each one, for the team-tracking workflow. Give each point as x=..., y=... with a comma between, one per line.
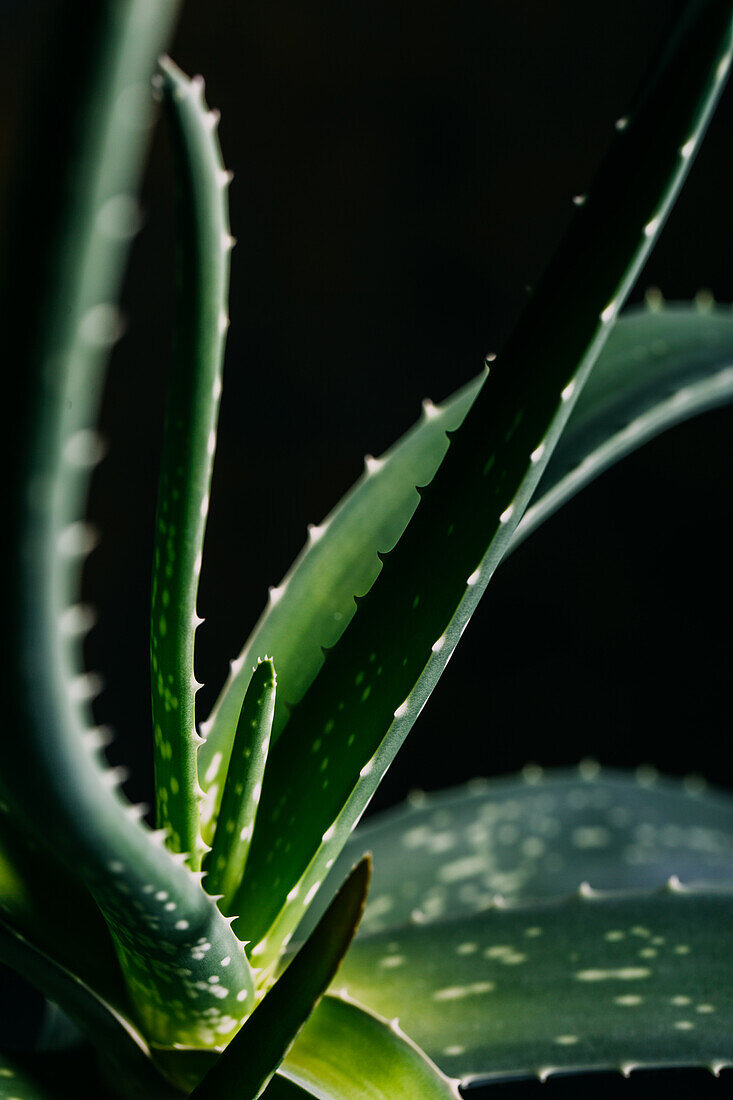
x=188, y=453
x=657, y=368
x=105, y=1024
x=257, y=1050
x=225, y=862
x=168, y=934
x=533, y=838
x=596, y=981
x=376, y=679
x=344, y=1050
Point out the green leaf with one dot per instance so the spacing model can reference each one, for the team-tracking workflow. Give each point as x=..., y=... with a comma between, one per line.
x=188, y=452
x=107, y=1025
x=258, y=1049
x=591, y=982
x=658, y=367
x=169, y=936
x=346, y=1053
x=540, y=836
x=225, y=862
x=343, y=734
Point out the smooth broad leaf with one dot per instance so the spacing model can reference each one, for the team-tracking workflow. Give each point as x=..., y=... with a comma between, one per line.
x=257, y=1050
x=539, y=836
x=345, y=1052
x=345, y=731
x=659, y=366
x=188, y=452
x=591, y=982
x=106, y=1025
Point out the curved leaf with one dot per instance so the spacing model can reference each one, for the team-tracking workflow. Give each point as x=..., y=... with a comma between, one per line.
x=659, y=367
x=591, y=982
x=169, y=935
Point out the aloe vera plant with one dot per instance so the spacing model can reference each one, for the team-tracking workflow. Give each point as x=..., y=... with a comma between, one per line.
x=209, y=952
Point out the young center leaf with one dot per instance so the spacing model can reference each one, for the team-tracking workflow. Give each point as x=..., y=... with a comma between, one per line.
x=225, y=862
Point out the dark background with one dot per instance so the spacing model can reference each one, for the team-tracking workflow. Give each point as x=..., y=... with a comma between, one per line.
x=403, y=172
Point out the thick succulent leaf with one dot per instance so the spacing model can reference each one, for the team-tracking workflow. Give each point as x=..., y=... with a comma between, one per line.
x=188, y=452
x=225, y=862
x=108, y=1026
x=658, y=367
x=594, y=981
x=450, y=854
x=374, y=682
x=169, y=936
x=255, y=1053
x=346, y=1053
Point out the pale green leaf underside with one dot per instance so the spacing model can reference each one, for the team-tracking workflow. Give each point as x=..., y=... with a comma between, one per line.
x=346, y=1053
x=536, y=837
x=587, y=982
x=656, y=369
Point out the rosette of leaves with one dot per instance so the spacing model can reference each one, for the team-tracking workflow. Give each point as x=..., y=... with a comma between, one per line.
x=483, y=954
